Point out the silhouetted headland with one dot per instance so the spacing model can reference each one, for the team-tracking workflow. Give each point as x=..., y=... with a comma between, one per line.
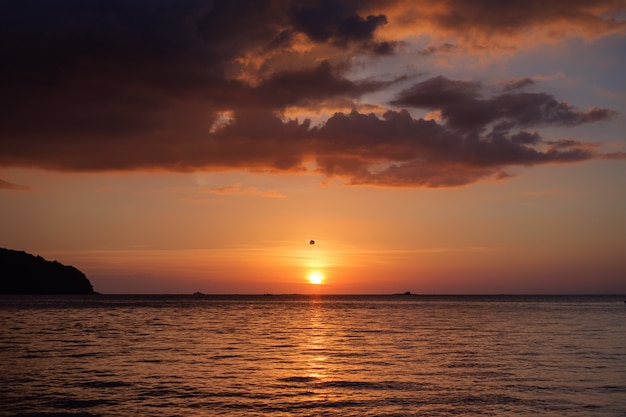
x=23, y=273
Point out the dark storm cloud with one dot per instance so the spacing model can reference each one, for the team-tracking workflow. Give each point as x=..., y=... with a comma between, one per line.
x=298, y=87
x=333, y=20
x=443, y=48
x=89, y=75
x=399, y=150
x=230, y=27
x=463, y=107
x=190, y=84
x=339, y=23
x=176, y=47
x=518, y=84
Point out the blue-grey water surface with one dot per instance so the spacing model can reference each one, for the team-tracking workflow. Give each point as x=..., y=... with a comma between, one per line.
x=312, y=356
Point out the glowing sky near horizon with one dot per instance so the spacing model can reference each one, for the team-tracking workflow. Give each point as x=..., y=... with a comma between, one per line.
x=432, y=147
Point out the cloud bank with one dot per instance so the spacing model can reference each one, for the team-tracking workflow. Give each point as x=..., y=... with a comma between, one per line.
x=129, y=85
x=6, y=185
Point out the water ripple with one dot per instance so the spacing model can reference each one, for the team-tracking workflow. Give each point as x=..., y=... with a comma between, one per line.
x=312, y=356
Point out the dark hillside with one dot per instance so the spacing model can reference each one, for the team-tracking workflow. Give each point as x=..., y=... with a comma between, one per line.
x=23, y=273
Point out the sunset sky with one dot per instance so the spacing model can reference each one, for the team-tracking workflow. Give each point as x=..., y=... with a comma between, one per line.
x=175, y=146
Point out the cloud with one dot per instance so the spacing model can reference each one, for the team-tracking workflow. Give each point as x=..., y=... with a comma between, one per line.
x=518, y=84
x=340, y=24
x=486, y=24
x=443, y=48
x=5, y=185
x=399, y=150
x=462, y=106
x=363, y=149
x=547, y=193
x=206, y=85
x=289, y=88
x=239, y=189
x=613, y=155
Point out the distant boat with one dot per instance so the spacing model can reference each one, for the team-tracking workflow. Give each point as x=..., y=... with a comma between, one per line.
x=198, y=293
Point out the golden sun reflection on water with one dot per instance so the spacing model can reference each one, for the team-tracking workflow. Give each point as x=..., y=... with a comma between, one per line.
x=317, y=343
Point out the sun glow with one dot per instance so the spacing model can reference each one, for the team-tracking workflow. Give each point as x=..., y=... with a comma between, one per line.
x=316, y=277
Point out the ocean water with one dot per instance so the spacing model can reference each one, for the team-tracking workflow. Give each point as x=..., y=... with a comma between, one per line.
x=312, y=356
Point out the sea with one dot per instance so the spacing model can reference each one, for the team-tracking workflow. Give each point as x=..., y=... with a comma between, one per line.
x=312, y=355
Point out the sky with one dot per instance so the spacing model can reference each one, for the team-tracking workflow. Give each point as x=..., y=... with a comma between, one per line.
x=437, y=147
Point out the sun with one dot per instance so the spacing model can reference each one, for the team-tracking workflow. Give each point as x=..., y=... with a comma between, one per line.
x=316, y=277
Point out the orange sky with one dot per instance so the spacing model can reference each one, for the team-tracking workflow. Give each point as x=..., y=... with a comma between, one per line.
x=431, y=147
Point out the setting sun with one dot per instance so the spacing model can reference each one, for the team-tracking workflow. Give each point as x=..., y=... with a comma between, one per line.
x=316, y=277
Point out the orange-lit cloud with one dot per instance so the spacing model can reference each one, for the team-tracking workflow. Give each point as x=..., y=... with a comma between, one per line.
x=238, y=189
x=6, y=185
x=486, y=24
